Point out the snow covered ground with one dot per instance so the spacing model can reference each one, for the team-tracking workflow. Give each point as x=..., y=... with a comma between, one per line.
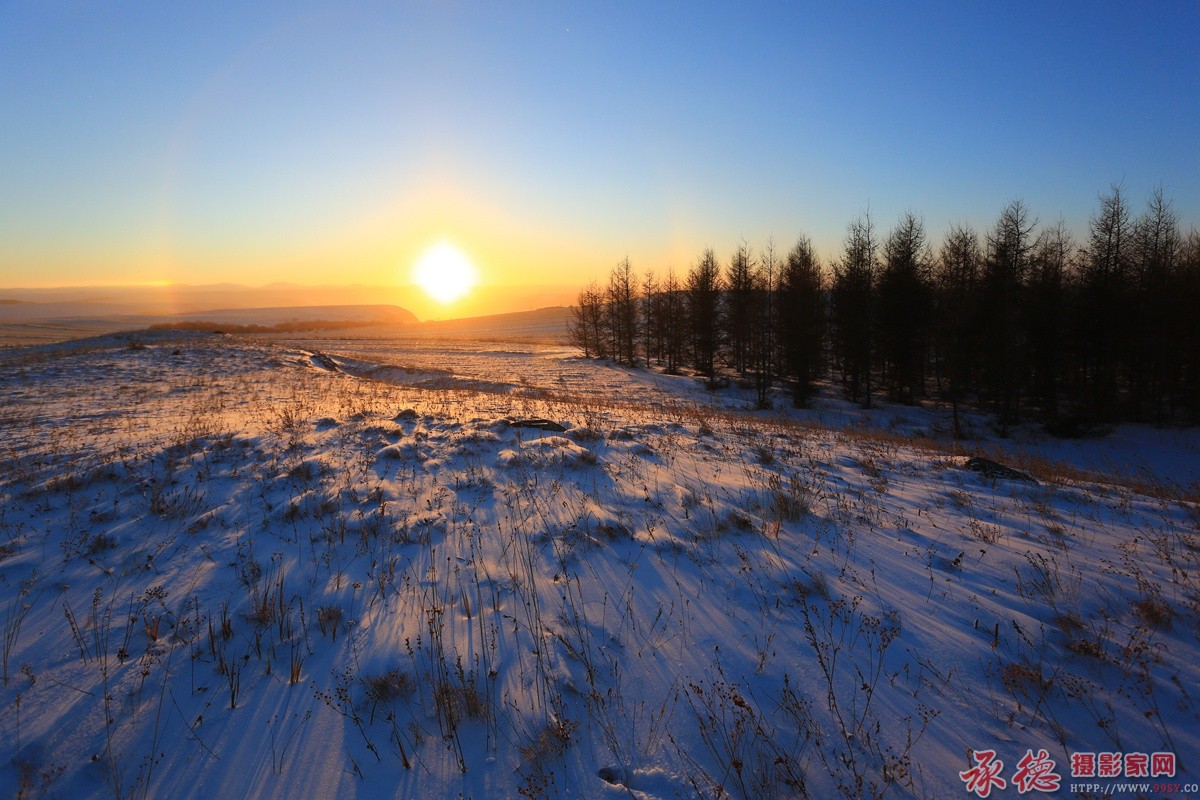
x=337, y=568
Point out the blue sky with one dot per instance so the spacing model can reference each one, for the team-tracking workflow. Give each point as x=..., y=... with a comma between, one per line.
x=325, y=142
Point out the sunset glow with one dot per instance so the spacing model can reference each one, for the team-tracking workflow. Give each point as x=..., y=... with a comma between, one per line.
x=294, y=143
x=445, y=273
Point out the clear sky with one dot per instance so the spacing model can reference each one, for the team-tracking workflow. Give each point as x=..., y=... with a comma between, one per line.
x=333, y=142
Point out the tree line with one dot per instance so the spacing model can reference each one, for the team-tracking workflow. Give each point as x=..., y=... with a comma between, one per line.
x=1023, y=321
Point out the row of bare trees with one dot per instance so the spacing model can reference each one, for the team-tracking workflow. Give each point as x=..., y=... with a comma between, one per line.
x=1023, y=320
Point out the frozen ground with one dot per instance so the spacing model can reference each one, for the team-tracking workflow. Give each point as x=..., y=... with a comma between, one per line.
x=301, y=568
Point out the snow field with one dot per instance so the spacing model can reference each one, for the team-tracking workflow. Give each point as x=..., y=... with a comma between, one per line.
x=226, y=568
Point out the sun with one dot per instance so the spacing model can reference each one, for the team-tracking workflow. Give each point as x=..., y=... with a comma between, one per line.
x=445, y=273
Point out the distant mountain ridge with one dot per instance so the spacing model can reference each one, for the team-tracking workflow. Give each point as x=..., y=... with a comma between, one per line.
x=181, y=298
x=36, y=316
x=107, y=302
x=278, y=315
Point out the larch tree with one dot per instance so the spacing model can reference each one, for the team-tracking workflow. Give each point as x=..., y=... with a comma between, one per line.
x=903, y=309
x=586, y=325
x=1047, y=305
x=1156, y=249
x=651, y=318
x=1104, y=303
x=764, y=325
x=704, y=313
x=957, y=316
x=740, y=297
x=623, y=313
x=1002, y=292
x=854, y=287
x=673, y=311
x=1185, y=332
x=801, y=320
